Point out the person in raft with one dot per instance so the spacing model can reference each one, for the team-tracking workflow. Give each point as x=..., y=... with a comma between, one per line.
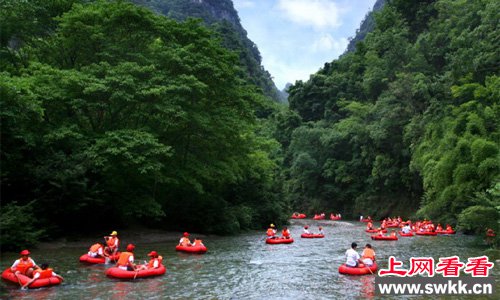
x=321, y=230
x=271, y=232
x=285, y=233
x=154, y=262
x=406, y=229
x=197, y=242
x=352, y=257
x=24, y=265
x=112, y=243
x=306, y=229
x=368, y=255
x=96, y=250
x=126, y=259
x=43, y=272
x=184, y=241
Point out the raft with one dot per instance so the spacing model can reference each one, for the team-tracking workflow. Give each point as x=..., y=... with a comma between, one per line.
x=425, y=233
x=312, y=236
x=490, y=235
x=446, y=231
x=360, y=270
x=8, y=275
x=116, y=272
x=191, y=249
x=406, y=234
x=98, y=260
x=318, y=217
x=279, y=240
x=300, y=216
x=335, y=218
x=392, y=225
x=384, y=238
x=375, y=230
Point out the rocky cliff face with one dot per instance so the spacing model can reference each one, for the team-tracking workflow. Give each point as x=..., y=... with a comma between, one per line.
x=366, y=26
x=221, y=16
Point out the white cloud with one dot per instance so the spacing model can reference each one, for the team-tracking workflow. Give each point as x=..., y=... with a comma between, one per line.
x=320, y=14
x=326, y=43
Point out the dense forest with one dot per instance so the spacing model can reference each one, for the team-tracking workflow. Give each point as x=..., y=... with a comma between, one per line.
x=408, y=122
x=114, y=114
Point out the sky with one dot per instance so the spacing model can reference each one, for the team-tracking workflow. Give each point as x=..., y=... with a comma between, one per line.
x=296, y=37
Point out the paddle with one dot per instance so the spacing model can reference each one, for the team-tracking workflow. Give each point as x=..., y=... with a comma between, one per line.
x=136, y=272
x=369, y=269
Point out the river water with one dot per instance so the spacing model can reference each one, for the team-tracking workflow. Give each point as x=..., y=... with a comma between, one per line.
x=244, y=267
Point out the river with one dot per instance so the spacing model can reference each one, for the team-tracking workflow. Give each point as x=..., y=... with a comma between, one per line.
x=243, y=267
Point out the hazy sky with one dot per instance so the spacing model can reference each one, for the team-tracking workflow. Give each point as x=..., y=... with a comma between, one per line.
x=296, y=37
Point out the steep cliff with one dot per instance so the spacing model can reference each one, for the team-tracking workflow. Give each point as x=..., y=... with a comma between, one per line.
x=221, y=16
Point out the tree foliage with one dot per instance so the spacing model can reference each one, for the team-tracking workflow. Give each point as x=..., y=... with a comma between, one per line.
x=121, y=114
x=408, y=120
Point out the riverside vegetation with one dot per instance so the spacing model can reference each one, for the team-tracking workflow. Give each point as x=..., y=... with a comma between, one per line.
x=113, y=114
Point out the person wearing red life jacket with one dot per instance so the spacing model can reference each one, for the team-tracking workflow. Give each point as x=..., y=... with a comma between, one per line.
x=285, y=232
x=112, y=243
x=43, y=272
x=184, y=241
x=24, y=265
x=197, y=242
x=126, y=259
x=271, y=231
x=96, y=250
x=154, y=263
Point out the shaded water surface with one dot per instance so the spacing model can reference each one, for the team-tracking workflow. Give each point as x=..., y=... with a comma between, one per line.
x=242, y=267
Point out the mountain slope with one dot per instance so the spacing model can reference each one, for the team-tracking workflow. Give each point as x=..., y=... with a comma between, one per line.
x=221, y=16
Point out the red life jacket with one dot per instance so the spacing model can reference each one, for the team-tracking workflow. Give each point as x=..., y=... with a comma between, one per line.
x=24, y=265
x=95, y=247
x=123, y=260
x=111, y=242
x=47, y=273
x=152, y=262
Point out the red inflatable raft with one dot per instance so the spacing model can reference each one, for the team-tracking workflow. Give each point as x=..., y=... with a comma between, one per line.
x=318, y=217
x=279, y=240
x=406, y=234
x=384, y=237
x=375, y=230
x=312, y=236
x=446, y=231
x=360, y=270
x=9, y=276
x=98, y=260
x=116, y=272
x=299, y=216
x=191, y=249
x=334, y=218
x=425, y=233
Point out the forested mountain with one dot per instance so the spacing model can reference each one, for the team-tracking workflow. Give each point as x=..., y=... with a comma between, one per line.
x=366, y=26
x=221, y=16
x=114, y=115
x=408, y=122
